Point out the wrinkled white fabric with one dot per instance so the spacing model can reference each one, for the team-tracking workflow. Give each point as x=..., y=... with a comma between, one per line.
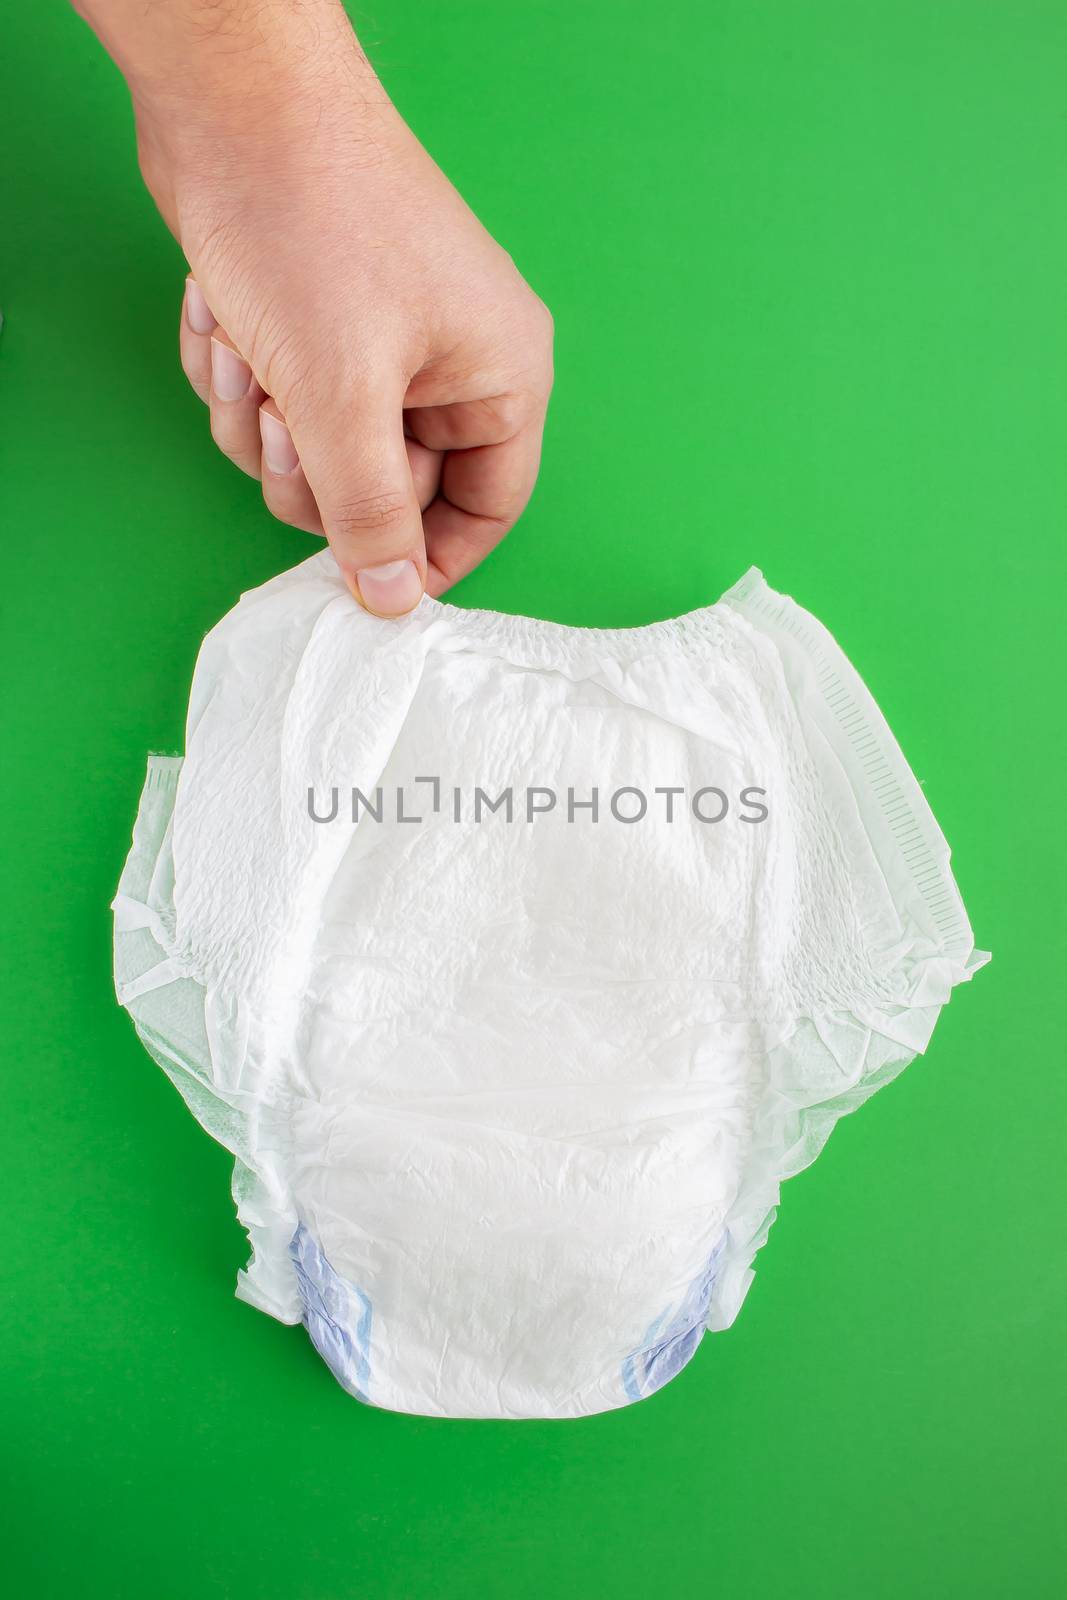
x=511, y=1099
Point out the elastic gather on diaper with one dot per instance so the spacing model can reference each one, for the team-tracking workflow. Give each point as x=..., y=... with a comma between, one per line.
x=547, y=643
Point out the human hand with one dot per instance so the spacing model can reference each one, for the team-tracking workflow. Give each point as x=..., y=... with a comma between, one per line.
x=365, y=347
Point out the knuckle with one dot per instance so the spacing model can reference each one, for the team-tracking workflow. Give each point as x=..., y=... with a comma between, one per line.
x=546, y=322
x=535, y=352
x=274, y=502
x=233, y=449
x=288, y=368
x=278, y=508
x=377, y=513
x=220, y=433
x=506, y=413
x=286, y=505
x=195, y=372
x=506, y=507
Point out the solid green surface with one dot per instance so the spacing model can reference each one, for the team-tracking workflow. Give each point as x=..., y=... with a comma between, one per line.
x=807, y=264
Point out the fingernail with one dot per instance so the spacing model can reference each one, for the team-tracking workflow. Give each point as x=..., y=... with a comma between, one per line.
x=231, y=378
x=197, y=313
x=391, y=589
x=279, y=451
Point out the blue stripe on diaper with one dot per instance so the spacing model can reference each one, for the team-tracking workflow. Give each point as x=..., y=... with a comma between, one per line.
x=337, y=1315
x=668, y=1344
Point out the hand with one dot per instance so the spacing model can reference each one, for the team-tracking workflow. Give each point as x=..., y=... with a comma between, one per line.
x=365, y=347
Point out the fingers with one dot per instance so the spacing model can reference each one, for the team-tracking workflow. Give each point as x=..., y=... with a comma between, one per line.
x=425, y=471
x=194, y=339
x=285, y=488
x=235, y=401
x=483, y=492
x=494, y=451
x=461, y=424
x=355, y=454
x=261, y=446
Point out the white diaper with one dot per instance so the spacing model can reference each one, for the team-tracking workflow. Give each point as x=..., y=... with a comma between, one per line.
x=514, y=1063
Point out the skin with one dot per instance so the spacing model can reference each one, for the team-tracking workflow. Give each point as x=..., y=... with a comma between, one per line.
x=364, y=347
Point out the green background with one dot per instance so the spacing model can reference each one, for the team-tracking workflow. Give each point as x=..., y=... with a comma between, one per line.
x=807, y=263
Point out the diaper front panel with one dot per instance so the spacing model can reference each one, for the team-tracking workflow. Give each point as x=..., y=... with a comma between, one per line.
x=525, y=1044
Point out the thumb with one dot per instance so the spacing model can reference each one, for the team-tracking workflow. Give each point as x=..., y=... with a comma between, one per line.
x=356, y=463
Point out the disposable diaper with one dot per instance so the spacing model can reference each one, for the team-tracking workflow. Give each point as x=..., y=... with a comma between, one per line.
x=517, y=964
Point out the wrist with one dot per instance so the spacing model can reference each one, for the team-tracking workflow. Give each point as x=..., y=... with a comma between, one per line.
x=191, y=51
x=216, y=75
